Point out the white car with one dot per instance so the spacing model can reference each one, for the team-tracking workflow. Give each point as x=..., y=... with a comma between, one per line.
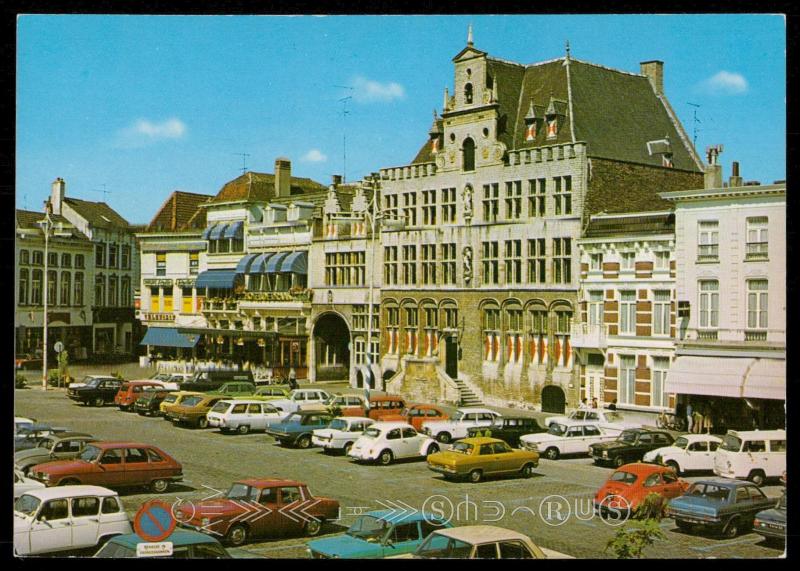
x=341, y=433
x=611, y=421
x=299, y=398
x=754, y=455
x=65, y=518
x=688, y=453
x=88, y=378
x=22, y=422
x=572, y=437
x=242, y=416
x=24, y=484
x=465, y=418
x=384, y=442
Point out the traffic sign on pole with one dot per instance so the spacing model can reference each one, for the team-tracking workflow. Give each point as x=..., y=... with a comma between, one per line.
x=154, y=521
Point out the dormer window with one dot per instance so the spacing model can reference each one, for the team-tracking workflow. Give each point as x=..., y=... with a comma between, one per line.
x=468, y=94
x=552, y=128
x=666, y=160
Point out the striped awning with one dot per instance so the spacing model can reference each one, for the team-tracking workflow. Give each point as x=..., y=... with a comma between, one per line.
x=217, y=279
x=243, y=267
x=234, y=230
x=273, y=265
x=207, y=231
x=216, y=232
x=296, y=263
x=169, y=337
x=259, y=264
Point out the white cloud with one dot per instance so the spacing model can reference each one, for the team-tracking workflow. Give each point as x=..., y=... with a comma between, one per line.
x=726, y=83
x=315, y=156
x=144, y=131
x=368, y=90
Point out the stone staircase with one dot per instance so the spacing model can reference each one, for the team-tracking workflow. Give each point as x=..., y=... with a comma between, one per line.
x=467, y=396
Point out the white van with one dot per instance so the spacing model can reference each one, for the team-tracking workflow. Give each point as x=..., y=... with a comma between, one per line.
x=65, y=518
x=242, y=416
x=753, y=455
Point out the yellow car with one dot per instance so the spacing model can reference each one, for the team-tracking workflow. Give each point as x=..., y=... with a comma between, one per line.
x=474, y=458
x=174, y=399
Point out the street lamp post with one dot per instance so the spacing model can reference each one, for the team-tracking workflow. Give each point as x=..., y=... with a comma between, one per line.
x=371, y=279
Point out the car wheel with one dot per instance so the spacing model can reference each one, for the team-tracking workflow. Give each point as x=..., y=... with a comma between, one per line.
x=237, y=535
x=619, y=461
x=202, y=423
x=244, y=429
x=98, y=401
x=731, y=529
x=312, y=527
x=159, y=486
x=347, y=448
x=672, y=464
x=432, y=449
x=757, y=477
x=386, y=457
x=444, y=437
x=304, y=442
x=475, y=476
x=551, y=453
x=527, y=470
x=69, y=482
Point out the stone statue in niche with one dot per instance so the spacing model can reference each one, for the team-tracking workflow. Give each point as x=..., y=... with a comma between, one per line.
x=467, y=253
x=468, y=202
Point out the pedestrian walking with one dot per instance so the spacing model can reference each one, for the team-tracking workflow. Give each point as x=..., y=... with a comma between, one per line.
x=689, y=417
x=584, y=404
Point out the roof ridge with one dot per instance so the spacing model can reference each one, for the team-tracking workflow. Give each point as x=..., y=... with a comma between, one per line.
x=605, y=67
x=501, y=60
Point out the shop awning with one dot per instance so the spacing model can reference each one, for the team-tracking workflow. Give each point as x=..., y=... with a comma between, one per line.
x=207, y=231
x=296, y=263
x=711, y=376
x=766, y=380
x=243, y=267
x=169, y=337
x=216, y=232
x=234, y=230
x=259, y=264
x=273, y=265
x=218, y=279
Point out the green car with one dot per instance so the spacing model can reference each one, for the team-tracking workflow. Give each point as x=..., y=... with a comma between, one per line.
x=185, y=545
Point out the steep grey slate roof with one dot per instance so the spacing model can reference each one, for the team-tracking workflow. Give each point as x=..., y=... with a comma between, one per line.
x=661, y=223
x=98, y=214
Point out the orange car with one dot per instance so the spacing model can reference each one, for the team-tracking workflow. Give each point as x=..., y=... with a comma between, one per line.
x=130, y=391
x=380, y=406
x=416, y=414
x=629, y=485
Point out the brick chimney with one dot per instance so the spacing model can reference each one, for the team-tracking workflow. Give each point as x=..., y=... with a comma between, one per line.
x=654, y=70
x=713, y=172
x=735, y=179
x=283, y=176
x=59, y=188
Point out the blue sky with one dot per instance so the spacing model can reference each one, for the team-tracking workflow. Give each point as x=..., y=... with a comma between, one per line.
x=144, y=105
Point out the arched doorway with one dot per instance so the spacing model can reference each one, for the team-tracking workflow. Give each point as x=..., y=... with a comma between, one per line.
x=332, y=348
x=553, y=399
x=469, y=154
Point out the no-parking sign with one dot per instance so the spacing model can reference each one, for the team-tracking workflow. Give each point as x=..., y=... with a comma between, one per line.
x=154, y=521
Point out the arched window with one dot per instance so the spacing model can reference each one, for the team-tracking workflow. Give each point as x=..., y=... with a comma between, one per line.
x=490, y=317
x=468, y=150
x=468, y=93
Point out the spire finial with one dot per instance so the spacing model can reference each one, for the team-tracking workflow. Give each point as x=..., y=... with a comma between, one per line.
x=567, y=46
x=469, y=35
x=446, y=100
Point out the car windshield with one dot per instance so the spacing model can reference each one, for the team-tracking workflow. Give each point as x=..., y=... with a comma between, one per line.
x=170, y=398
x=459, y=415
x=613, y=417
x=242, y=492
x=368, y=528
x=46, y=442
x=191, y=401
x=731, y=443
x=622, y=477
x=338, y=424
x=162, y=377
x=440, y=546
x=372, y=432
x=682, y=442
x=627, y=436
x=556, y=429
x=90, y=453
x=91, y=382
x=27, y=505
x=462, y=448
x=709, y=490
x=221, y=406
x=294, y=417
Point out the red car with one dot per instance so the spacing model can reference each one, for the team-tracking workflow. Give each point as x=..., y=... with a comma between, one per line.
x=380, y=406
x=129, y=392
x=416, y=414
x=630, y=484
x=258, y=508
x=113, y=465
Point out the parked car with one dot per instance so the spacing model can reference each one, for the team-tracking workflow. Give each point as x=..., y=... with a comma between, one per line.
x=379, y=534
x=573, y=437
x=149, y=403
x=207, y=381
x=465, y=418
x=174, y=399
x=416, y=414
x=625, y=489
x=130, y=391
x=380, y=407
x=301, y=397
x=689, y=453
x=113, y=464
x=67, y=518
x=235, y=388
x=341, y=433
x=22, y=422
x=27, y=361
x=508, y=428
x=288, y=507
x=272, y=392
x=297, y=428
x=771, y=524
x=630, y=446
x=242, y=416
x=24, y=484
x=59, y=446
x=475, y=458
x=185, y=545
x=482, y=542
x=718, y=506
x=86, y=380
x=611, y=421
x=29, y=437
x=339, y=403
x=97, y=391
x=754, y=455
x=384, y=442
x=193, y=410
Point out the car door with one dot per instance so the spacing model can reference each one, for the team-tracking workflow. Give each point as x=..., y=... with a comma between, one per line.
x=672, y=487
x=111, y=470
x=644, y=443
x=68, y=449
x=697, y=456
x=514, y=549
x=85, y=519
x=138, y=470
x=291, y=521
x=653, y=484
x=394, y=441
x=158, y=466
x=402, y=538
x=51, y=530
x=270, y=414
x=744, y=504
x=574, y=441
x=410, y=442
x=759, y=499
x=505, y=458
x=264, y=518
x=489, y=461
x=486, y=551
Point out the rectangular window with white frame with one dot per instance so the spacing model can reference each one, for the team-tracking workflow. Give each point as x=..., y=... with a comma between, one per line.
x=596, y=262
x=757, y=238
x=658, y=394
x=661, y=312
x=627, y=379
x=537, y=190
x=429, y=207
x=513, y=200
x=662, y=261
x=709, y=304
x=537, y=261
x=448, y=205
x=595, y=308
x=627, y=312
x=513, y=255
x=757, y=308
x=708, y=240
x=627, y=260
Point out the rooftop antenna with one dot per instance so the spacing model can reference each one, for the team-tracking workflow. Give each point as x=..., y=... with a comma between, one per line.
x=695, y=122
x=345, y=113
x=244, y=161
x=105, y=192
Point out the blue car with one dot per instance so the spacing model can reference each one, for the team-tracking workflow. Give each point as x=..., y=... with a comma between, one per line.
x=771, y=524
x=718, y=506
x=379, y=534
x=297, y=428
